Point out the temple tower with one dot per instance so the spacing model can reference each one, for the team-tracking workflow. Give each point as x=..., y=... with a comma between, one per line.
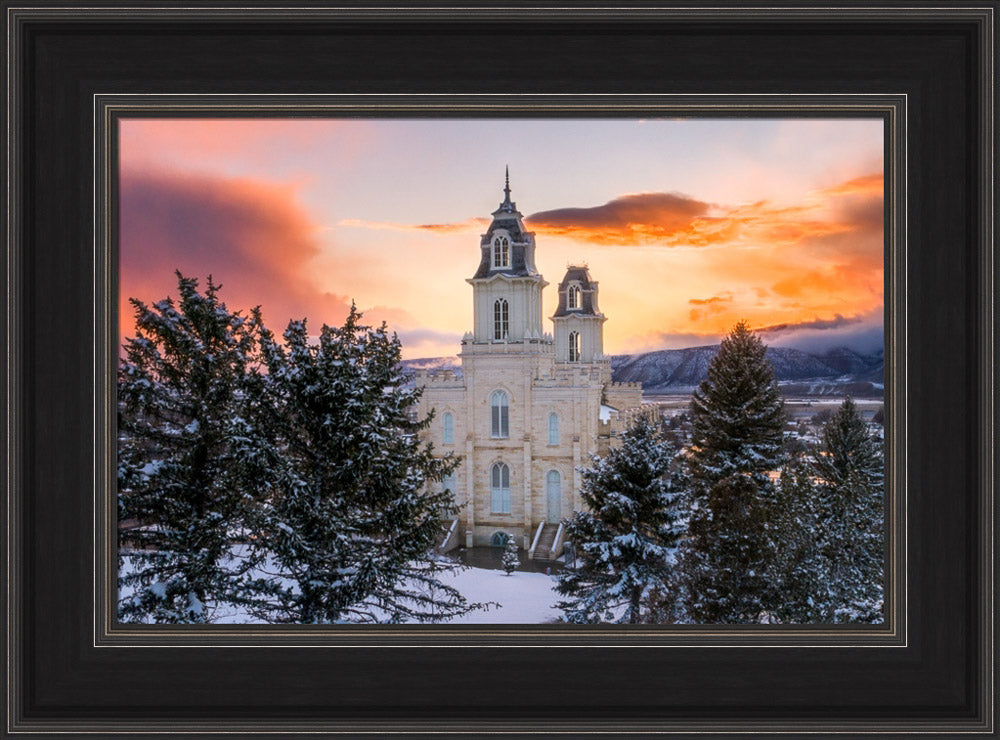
x=578, y=322
x=507, y=289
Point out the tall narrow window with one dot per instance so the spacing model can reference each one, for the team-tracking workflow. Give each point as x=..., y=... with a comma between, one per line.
x=501, y=252
x=573, y=297
x=499, y=415
x=553, y=428
x=553, y=496
x=501, y=318
x=449, y=484
x=574, y=346
x=500, y=488
x=448, y=428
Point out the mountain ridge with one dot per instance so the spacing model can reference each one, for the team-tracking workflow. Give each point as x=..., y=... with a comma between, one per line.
x=835, y=371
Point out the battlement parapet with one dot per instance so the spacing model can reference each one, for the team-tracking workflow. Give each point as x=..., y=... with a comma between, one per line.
x=438, y=378
x=625, y=386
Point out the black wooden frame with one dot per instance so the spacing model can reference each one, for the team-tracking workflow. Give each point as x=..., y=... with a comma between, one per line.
x=929, y=71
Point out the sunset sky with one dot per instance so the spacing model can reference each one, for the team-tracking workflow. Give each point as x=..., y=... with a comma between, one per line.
x=689, y=225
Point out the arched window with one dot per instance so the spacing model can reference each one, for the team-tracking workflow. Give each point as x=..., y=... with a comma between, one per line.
x=501, y=252
x=573, y=297
x=553, y=428
x=501, y=318
x=574, y=346
x=499, y=415
x=500, y=488
x=499, y=539
x=448, y=428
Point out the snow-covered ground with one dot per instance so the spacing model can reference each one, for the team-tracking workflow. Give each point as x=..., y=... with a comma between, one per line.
x=525, y=598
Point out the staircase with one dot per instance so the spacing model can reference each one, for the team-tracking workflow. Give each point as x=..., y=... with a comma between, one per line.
x=546, y=540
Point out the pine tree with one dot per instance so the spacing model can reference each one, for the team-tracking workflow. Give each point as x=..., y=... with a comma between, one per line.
x=800, y=571
x=353, y=520
x=849, y=464
x=737, y=414
x=181, y=476
x=846, y=447
x=737, y=419
x=625, y=539
x=510, y=561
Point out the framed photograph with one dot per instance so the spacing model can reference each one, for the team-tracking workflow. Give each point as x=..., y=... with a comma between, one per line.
x=519, y=406
x=569, y=221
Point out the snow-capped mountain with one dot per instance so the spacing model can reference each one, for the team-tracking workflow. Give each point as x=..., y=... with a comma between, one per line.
x=432, y=363
x=835, y=371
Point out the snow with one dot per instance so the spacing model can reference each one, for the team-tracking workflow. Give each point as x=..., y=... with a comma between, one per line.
x=524, y=598
x=607, y=412
x=152, y=468
x=194, y=604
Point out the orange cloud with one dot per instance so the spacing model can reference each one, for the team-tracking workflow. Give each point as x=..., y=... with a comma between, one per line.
x=873, y=184
x=671, y=219
x=815, y=260
x=709, y=306
x=252, y=237
x=674, y=219
x=628, y=219
x=710, y=301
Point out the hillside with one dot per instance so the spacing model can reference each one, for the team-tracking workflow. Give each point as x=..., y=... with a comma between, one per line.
x=833, y=372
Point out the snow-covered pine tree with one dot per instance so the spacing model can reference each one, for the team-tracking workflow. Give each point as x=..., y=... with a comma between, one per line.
x=849, y=464
x=737, y=415
x=352, y=522
x=729, y=556
x=625, y=538
x=510, y=560
x=800, y=571
x=180, y=390
x=847, y=447
x=737, y=418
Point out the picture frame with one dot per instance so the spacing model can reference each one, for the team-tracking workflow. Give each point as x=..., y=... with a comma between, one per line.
x=71, y=669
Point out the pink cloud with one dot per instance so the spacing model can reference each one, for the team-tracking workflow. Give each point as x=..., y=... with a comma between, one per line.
x=252, y=237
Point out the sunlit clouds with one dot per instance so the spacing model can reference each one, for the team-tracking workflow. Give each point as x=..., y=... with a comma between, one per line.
x=688, y=226
x=250, y=236
x=629, y=219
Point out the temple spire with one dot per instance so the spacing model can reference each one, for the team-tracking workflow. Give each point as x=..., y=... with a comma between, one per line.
x=507, y=206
